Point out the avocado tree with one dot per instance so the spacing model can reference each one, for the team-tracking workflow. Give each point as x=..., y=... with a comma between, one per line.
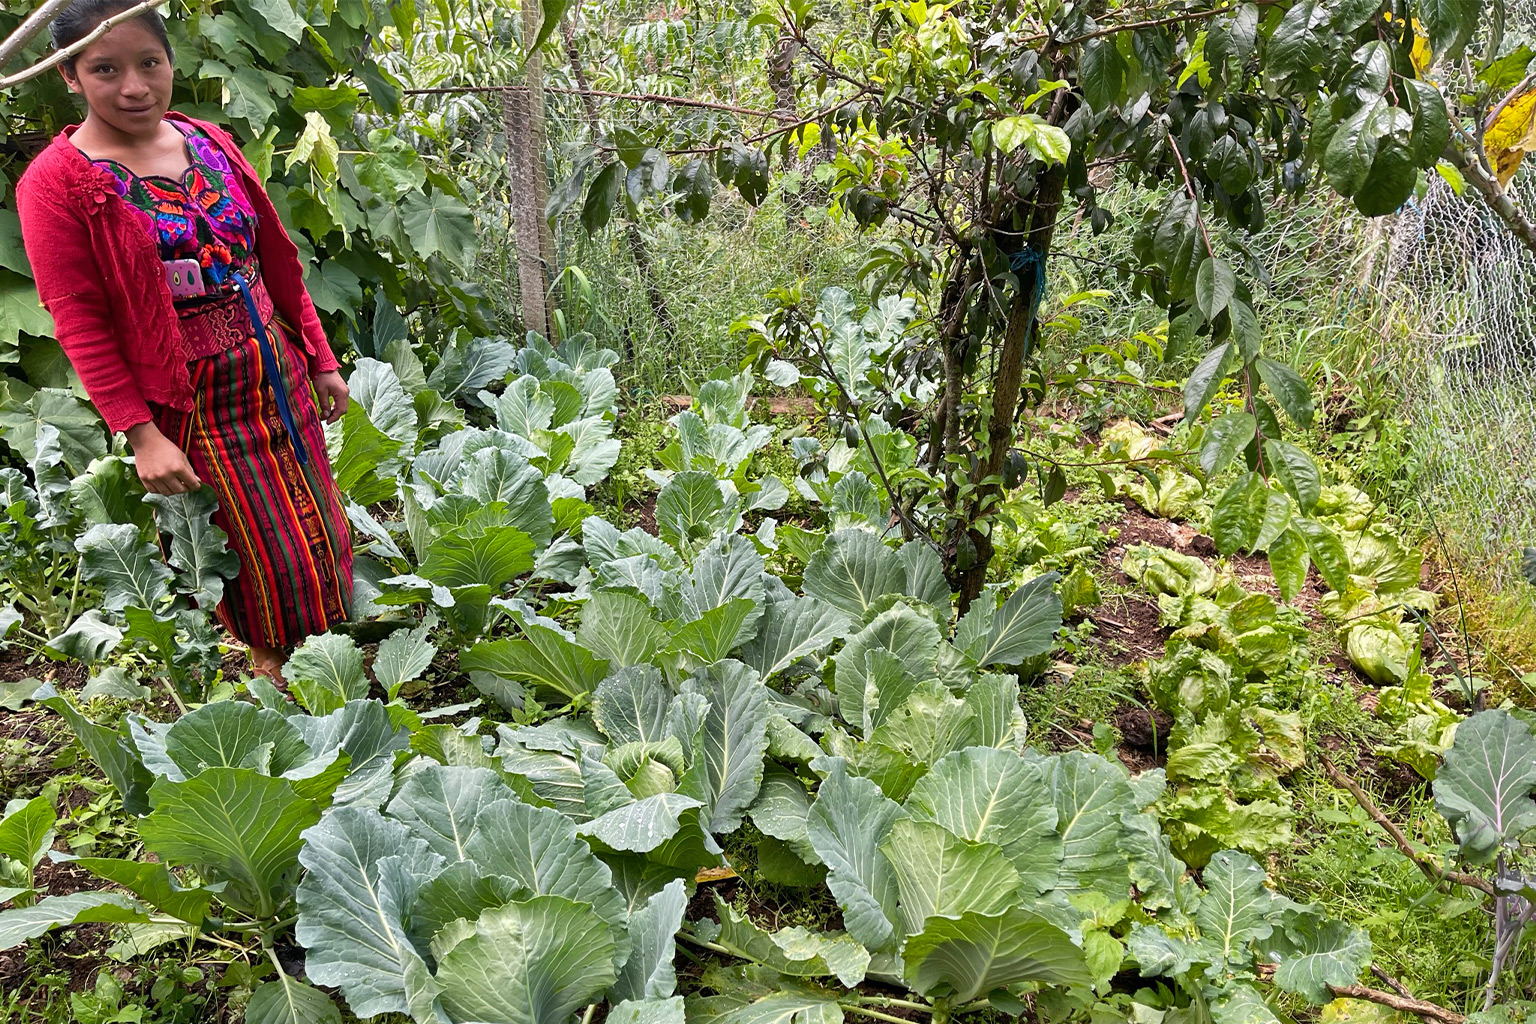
x=973, y=128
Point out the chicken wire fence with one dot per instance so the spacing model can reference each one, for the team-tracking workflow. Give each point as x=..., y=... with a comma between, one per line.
x=1461, y=332
x=661, y=292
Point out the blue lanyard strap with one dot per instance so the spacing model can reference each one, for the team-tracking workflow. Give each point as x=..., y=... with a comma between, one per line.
x=271, y=372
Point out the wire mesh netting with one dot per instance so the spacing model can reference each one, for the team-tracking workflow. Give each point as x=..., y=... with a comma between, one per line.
x=1459, y=288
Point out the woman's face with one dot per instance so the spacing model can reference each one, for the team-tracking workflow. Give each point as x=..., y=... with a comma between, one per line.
x=125, y=77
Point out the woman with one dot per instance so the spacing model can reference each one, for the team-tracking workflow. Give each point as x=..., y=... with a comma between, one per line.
x=180, y=300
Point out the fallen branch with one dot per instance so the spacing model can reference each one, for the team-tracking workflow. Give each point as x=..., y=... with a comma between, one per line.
x=1431, y=870
x=1403, y=1004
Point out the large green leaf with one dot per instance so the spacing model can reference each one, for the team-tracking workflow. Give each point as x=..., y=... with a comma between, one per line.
x=1237, y=909
x=26, y=832
x=1238, y=515
x=490, y=556
x=1092, y=796
x=846, y=826
x=1484, y=787
x=728, y=770
x=851, y=569
x=938, y=873
x=1023, y=627
x=649, y=972
x=441, y=804
x=112, y=750
x=236, y=826
x=155, y=885
x=620, y=628
x=229, y=734
x=795, y=951
x=467, y=368
x=538, y=848
x=1296, y=472
x=288, y=1000
x=630, y=706
x=643, y=825
x=728, y=569
x=970, y=955
x=363, y=874
x=23, y=923
x=128, y=569
x=403, y=656
x=439, y=224
x=712, y=636
x=528, y=963
x=902, y=632
x=651, y=1011
x=691, y=508
x=375, y=386
x=792, y=628
x=994, y=796
x=495, y=474
x=198, y=548
x=543, y=658
x=327, y=672
x=1314, y=954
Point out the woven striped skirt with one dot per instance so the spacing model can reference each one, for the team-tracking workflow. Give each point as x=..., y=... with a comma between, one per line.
x=284, y=519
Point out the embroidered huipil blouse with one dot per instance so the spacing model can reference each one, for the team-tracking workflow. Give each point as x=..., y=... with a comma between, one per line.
x=204, y=216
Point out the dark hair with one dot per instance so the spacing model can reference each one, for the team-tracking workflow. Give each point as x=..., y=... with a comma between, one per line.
x=80, y=19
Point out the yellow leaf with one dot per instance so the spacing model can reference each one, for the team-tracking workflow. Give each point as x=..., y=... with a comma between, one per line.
x=1511, y=135
x=1421, y=55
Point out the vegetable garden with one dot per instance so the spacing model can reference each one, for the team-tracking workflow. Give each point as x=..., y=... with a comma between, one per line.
x=1018, y=617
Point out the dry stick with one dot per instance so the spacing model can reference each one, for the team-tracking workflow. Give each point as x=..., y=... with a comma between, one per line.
x=1396, y=985
x=1418, y=1007
x=1189, y=187
x=60, y=56
x=1431, y=871
x=27, y=29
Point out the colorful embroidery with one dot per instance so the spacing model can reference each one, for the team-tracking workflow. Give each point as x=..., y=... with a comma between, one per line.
x=201, y=216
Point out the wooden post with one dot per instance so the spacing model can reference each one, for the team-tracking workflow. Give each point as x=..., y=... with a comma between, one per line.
x=527, y=211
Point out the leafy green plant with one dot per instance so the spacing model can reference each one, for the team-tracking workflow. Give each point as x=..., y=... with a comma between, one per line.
x=26, y=836
x=716, y=437
x=224, y=795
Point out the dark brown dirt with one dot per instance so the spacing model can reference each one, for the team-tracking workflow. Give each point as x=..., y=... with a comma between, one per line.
x=1130, y=625
x=799, y=406
x=645, y=516
x=1144, y=730
x=17, y=663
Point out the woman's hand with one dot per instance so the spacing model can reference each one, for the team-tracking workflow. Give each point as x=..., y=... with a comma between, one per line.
x=163, y=467
x=331, y=392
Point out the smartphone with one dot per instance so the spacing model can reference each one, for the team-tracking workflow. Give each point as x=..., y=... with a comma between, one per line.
x=185, y=278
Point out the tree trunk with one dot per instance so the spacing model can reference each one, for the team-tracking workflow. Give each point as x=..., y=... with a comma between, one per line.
x=527, y=212
x=780, y=66
x=642, y=256
x=1039, y=214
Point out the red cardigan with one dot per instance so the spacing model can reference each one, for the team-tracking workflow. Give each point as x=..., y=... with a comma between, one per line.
x=99, y=273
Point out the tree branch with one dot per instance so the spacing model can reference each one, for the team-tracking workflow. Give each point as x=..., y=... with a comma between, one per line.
x=60, y=56
x=34, y=24
x=1403, y=1004
x=1493, y=195
x=1430, y=869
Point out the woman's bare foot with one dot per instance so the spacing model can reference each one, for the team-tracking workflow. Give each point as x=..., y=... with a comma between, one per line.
x=268, y=662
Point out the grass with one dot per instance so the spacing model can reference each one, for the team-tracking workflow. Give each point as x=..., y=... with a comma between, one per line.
x=1436, y=941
